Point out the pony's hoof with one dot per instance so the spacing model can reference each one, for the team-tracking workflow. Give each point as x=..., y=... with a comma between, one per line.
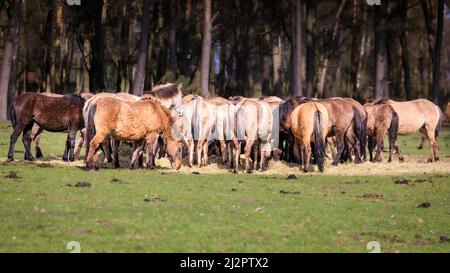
x=39, y=154
x=335, y=163
x=401, y=159
x=420, y=148
x=10, y=159
x=321, y=168
x=305, y=170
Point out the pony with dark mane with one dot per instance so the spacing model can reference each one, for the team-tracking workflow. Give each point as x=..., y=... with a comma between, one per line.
x=131, y=122
x=169, y=95
x=54, y=114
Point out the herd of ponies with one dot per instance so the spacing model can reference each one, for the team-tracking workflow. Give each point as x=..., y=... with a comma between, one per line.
x=163, y=123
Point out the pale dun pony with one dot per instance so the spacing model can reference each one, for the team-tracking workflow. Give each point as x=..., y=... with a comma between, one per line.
x=419, y=115
x=309, y=123
x=254, y=126
x=201, y=117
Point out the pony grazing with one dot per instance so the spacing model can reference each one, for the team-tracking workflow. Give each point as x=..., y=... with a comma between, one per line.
x=382, y=120
x=418, y=115
x=132, y=122
x=202, y=116
x=54, y=114
x=254, y=127
x=309, y=123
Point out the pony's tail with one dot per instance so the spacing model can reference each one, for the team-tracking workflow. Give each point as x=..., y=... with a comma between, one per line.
x=439, y=124
x=319, y=144
x=359, y=130
x=393, y=129
x=12, y=115
x=90, y=127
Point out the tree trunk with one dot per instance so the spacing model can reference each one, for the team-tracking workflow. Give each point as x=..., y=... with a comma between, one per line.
x=8, y=54
x=206, y=49
x=122, y=63
x=96, y=76
x=380, y=55
x=356, y=39
x=173, y=40
x=276, y=64
x=310, y=45
x=265, y=59
x=436, y=92
x=426, y=7
x=139, y=81
x=297, y=69
x=403, y=5
x=335, y=27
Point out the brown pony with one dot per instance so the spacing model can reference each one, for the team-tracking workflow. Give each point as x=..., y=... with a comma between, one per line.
x=347, y=125
x=286, y=138
x=309, y=123
x=54, y=114
x=382, y=120
x=144, y=119
x=418, y=115
x=37, y=130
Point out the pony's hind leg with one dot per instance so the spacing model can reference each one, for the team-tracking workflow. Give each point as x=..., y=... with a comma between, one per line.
x=91, y=158
x=36, y=136
x=434, y=147
x=79, y=144
x=247, y=151
x=423, y=137
x=26, y=139
x=70, y=145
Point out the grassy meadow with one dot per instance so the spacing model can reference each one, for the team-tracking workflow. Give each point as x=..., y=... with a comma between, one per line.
x=403, y=206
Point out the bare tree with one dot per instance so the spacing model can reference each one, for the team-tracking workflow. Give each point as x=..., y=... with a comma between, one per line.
x=139, y=81
x=206, y=48
x=8, y=54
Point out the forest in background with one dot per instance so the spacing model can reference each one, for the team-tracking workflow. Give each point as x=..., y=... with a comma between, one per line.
x=323, y=48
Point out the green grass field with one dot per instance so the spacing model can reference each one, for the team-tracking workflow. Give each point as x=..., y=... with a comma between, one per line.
x=165, y=211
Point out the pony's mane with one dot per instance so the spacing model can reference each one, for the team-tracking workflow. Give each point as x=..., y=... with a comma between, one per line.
x=166, y=91
x=76, y=98
x=381, y=101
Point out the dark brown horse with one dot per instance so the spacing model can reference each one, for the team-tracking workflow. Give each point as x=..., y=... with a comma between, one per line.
x=50, y=113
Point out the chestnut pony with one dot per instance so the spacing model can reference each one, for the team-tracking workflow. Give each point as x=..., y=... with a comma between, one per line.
x=124, y=121
x=309, y=123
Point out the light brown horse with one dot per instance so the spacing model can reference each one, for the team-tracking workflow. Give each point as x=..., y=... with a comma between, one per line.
x=419, y=115
x=254, y=127
x=309, y=123
x=201, y=125
x=224, y=128
x=382, y=120
x=347, y=125
x=131, y=122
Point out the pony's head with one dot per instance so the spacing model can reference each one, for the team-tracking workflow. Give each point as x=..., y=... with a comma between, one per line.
x=170, y=96
x=174, y=153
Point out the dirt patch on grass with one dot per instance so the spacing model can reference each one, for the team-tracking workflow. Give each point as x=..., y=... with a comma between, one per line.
x=13, y=175
x=371, y=196
x=289, y=192
x=81, y=184
x=424, y=205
